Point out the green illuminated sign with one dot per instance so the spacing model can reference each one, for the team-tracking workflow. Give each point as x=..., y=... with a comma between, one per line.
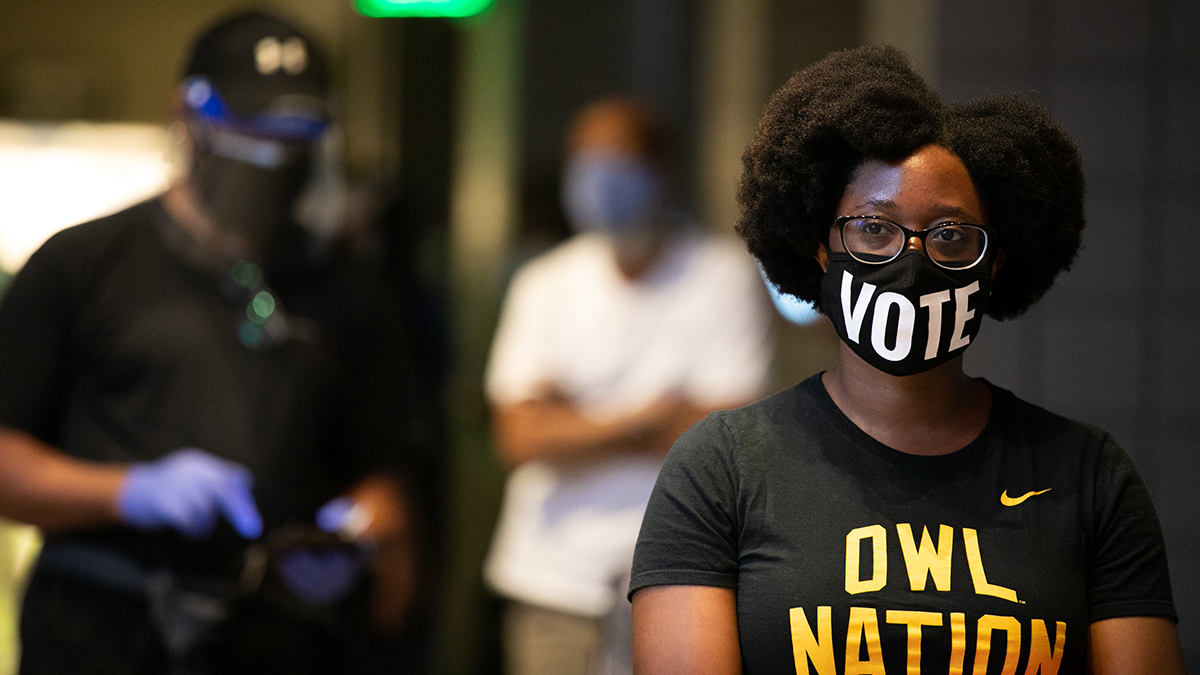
x=451, y=8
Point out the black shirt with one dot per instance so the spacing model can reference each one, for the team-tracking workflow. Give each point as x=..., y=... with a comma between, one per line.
x=844, y=550
x=119, y=343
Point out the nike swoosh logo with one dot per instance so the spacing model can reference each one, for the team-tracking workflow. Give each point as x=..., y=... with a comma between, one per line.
x=1013, y=501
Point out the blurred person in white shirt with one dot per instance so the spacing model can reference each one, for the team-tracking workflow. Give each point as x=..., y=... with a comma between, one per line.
x=609, y=346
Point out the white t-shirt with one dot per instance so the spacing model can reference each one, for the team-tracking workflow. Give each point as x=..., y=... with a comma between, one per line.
x=697, y=324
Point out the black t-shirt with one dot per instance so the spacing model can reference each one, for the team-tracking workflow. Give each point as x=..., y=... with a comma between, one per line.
x=841, y=548
x=117, y=343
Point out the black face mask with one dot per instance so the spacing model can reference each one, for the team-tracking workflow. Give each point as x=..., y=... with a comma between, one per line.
x=249, y=194
x=906, y=316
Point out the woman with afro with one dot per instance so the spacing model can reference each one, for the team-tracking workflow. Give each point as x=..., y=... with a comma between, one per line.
x=894, y=515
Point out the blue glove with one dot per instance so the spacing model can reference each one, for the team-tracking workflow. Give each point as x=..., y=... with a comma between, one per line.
x=326, y=575
x=187, y=490
x=320, y=575
x=345, y=517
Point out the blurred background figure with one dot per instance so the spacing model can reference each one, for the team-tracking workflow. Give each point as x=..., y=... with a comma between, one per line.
x=212, y=417
x=609, y=346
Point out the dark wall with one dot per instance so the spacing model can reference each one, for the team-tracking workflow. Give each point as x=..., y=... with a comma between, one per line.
x=1117, y=342
x=578, y=51
x=801, y=32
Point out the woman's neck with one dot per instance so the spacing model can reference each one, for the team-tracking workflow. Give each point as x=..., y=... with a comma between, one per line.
x=931, y=413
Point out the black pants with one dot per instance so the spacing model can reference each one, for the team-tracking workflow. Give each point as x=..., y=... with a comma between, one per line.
x=75, y=627
x=68, y=626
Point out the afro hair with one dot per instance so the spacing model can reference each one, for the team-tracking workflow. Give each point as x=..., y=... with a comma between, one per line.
x=868, y=103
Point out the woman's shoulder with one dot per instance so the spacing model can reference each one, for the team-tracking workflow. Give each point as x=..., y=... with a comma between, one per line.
x=1056, y=443
x=772, y=407
x=758, y=426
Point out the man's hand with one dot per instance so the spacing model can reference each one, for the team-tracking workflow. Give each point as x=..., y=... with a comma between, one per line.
x=322, y=575
x=328, y=573
x=188, y=490
x=377, y=513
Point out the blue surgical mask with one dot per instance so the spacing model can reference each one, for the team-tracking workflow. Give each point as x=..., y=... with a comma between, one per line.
x=611, y=193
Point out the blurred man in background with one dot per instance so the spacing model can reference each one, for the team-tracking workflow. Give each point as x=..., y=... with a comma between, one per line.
x=214, y=423
x=609, y=347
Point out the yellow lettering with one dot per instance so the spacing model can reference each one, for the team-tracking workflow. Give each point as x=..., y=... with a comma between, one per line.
x=864, y=623
x=817, y=648
x=958, y=642
x=927, y=560
x=983, y=644
x=878, y=580
x=978, y=577
x=914, y=621
x=1041, y=657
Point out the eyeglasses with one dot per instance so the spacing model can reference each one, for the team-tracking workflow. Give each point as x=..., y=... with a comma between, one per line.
x=874, y=241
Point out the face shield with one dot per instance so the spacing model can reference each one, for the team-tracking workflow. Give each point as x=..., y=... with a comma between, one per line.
x=249, y=171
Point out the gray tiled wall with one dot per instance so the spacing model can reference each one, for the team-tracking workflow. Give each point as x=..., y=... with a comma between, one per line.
x=1117, y=341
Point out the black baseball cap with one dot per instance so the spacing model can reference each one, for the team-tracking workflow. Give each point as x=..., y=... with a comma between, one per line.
x=258, y=74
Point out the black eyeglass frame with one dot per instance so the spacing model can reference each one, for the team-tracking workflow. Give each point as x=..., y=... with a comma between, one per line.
x=988, y=235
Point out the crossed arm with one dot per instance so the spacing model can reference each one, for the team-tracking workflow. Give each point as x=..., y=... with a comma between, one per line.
x=553, y=427
x=692, y=630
